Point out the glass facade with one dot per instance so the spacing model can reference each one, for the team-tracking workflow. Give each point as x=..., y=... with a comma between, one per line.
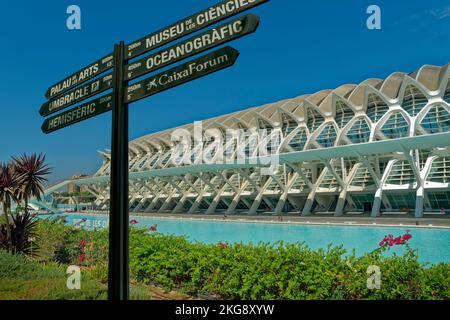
x=363, y=178
x=271, y=139
x=299, y=184
x=440, y=170
x=395, y=127
x=414, y=101
x=289, y=124
x=327, y=137
x=343, y=114
x=298, y=141
x=437, y=120
x=360, y=200
x=401, y=174
x=376, y=107
x=402, y=201
x=359, y=132
x=423, y=157
x=154, y=161
x=439, y=200
x=330, y=181
x=315, y=120
x=447, y=93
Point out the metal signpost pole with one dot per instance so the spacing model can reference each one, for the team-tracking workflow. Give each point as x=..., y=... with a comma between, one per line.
x=118, y=278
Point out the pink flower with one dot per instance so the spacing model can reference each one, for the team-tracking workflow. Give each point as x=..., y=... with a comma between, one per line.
x=82, y=258
x=153, y=228
x=83, y=243
x=398, y=241
x=222, y=245
x=406, y=237
x=390, y=241
x=132, y=222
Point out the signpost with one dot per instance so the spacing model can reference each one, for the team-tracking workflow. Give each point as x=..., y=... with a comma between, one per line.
x=76, y=95
x=202, y=42
x=77, y=114
x=210, y=63
x=74, y=89
x=118, y=279
x=189, y=25
x=81, y=76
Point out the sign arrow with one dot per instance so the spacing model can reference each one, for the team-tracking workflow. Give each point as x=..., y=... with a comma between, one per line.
x=77, y=95
x=195, y=69
x=190, y=47
x=77, y=114
x=203, y=19
x=182, y=28
x=81, y=76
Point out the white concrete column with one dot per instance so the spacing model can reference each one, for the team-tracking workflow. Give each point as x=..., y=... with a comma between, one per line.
x=343, y=195
x=259, y=197
x=376, y=208
x=419, y=202
x=284, y=196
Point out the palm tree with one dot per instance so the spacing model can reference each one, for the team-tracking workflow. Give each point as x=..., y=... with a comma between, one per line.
x=8, y=195
x=31, y=172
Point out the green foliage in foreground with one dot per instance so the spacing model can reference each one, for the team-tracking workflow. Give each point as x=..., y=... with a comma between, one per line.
x=280, y=271
x=23, y=279
x=283, y=271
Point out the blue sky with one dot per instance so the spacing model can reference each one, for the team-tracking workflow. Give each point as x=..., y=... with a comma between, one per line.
x=301, y=47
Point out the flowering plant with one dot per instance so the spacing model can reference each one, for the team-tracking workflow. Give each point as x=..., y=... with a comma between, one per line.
x=83, y=243
x=222, y=245
x=86, y=252
x=391, y=241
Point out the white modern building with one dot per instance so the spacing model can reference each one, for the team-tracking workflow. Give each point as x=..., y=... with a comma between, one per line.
x=380, y=147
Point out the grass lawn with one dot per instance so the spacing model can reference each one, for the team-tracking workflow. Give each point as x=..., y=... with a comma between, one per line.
x=55, y=289
x=22, y=279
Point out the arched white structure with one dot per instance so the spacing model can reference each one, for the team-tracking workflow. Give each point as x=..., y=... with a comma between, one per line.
x=413, y=180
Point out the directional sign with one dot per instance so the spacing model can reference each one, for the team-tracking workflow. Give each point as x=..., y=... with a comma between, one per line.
x=76, y=95
x=81, y=76
x=186, y=72
x=76, y=88
x=77, y=114
x=194, y=23
x=199, y=43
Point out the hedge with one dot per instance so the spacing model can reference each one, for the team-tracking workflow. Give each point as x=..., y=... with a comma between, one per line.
x=254, y=271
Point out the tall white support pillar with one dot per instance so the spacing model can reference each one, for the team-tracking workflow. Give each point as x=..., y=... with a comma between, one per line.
x=376, y=208
x=419, y=202
x=309, y=203
x=343, y=195
x=339, y=212
x=284, y=196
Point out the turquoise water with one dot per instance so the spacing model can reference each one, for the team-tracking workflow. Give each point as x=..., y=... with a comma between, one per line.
x=433, y=244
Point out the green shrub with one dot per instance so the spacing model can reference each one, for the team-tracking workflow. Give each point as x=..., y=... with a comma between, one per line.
x=282, y=271
x=247, y=271
x=14, y=266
